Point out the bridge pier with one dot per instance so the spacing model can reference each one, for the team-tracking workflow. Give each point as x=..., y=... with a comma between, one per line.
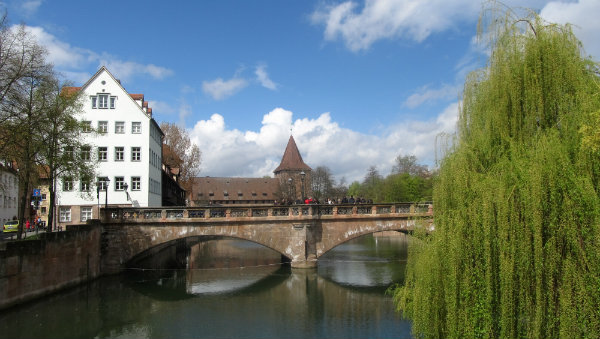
x=302, y=246
x=310, y=262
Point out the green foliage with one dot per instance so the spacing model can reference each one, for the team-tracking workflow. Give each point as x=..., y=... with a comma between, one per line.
x=408, y=182
x=407, y=187
x=354, y=189
x=515, y=250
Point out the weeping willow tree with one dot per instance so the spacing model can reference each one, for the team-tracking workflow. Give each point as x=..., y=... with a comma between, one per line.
x=516, y=247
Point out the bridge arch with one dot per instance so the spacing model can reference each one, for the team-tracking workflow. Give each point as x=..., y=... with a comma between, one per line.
x=325, y=251
x=352, y=229
x=184, y=243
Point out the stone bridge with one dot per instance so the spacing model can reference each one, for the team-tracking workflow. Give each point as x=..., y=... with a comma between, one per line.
x=302, y=233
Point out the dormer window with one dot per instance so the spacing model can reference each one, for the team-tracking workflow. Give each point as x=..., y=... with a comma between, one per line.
x=102, y=101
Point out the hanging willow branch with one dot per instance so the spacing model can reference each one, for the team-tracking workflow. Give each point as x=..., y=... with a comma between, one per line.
x=515, y=251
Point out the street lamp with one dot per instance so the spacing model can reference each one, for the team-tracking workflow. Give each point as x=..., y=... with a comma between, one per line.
x=102, y=184
x=106, y=182
x=98, y=196
x=302, y=174
x=125, y=187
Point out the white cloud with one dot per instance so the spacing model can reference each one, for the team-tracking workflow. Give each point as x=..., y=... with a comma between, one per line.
x=61, y=54
x=220, y=89
x=184, y=111
x=387, y=19
x=360, y=26
x=321, y=141
x=426, y=94
x=72, y=60
x=161, y=107
x=126, y=70
x=263, y=77
x=583, y=14
x=30, y=7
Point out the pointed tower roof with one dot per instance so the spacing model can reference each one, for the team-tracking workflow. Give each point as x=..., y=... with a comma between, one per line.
x=292, y=160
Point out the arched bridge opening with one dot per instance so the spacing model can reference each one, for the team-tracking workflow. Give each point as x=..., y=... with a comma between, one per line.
x=176, y=253
x=356, y=236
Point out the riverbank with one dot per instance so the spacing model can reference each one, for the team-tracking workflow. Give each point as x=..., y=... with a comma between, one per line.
x=33, y=268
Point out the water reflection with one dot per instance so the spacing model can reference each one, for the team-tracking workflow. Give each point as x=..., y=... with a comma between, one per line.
x=226, y=280
x=342, y=298
x=368, y=262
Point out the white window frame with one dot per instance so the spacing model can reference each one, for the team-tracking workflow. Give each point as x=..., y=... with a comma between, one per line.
x=65, y=214
x=119, y=183
x=102, y=126
x=103, y=153
x=85, y=213
x=86, y=153
x=136, y=183
x=136, y=127
x=102, y=183
x=103, y=101
x=87, y=126
x=94, y=101
x=67, y=184
x=136, y=153
x=119, y=127
x=119, y=153
x=84, y=185
x=112, y=101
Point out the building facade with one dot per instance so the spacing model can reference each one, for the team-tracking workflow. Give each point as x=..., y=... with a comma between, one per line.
x=9, y=193
x=127, y=143
x=292, y=181
x=228, y=191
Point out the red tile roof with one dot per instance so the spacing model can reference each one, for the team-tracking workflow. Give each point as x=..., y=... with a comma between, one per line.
x=69, y=90
x=137, y=96
x=238, y=190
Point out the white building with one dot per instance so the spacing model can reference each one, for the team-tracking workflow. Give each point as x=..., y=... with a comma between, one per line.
x=9, y=194
x=128, y=147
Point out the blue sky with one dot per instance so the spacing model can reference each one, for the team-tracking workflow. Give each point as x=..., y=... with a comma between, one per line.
x=358, y=82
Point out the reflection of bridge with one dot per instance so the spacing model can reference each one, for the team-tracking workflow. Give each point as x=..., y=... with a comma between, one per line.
x=302, y=233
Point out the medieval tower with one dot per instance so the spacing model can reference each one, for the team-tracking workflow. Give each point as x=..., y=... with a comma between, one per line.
x=293, y=174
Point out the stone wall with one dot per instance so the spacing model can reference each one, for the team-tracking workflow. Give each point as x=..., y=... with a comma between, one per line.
x=32, y=268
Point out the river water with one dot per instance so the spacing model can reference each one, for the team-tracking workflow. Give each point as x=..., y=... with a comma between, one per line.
x=229, y=288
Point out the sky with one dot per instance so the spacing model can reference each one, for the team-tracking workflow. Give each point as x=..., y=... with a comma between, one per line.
x=357, y=83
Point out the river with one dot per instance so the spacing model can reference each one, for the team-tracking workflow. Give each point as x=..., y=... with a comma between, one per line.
x=229, y=289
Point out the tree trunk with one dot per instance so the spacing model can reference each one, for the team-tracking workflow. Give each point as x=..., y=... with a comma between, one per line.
x=51, y=208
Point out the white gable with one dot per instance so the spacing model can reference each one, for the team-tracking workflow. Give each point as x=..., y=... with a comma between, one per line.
x=103, y=82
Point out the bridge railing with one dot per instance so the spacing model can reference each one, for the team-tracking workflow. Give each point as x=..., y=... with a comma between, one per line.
x=129, y=214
